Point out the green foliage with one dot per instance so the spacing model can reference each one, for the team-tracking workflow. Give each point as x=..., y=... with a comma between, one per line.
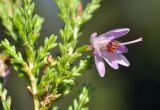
x=50, y=76
x=55, y=108
x=28, y=27
x=72, y=14
x=16, y=57
x=44, y=51
x=82, y=101
x=5, y=100
x=7, y=8
x=90, y=8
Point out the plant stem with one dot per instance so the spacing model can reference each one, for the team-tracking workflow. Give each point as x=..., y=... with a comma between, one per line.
x=36, y=103
x=34, y=92
x=33, y=89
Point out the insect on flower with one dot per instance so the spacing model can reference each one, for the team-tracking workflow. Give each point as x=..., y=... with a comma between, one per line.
x=107, y=48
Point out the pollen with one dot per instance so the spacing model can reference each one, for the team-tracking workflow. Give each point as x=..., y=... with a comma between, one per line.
x=112, y=46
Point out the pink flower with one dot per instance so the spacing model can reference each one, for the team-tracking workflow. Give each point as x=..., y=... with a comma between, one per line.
x=4, y=66
x=108, y=49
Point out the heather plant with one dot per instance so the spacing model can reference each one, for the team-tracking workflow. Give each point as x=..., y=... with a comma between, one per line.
x=52, y=76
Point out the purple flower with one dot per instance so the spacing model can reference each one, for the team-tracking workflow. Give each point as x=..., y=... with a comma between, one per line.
x=108, y=49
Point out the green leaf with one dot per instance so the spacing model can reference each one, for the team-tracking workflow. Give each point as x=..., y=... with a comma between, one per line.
x=82, y=101
x=5, y=100
x=55, y=108
x=83, y=49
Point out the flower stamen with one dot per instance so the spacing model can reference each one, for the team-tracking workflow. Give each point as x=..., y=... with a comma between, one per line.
x=112, y=46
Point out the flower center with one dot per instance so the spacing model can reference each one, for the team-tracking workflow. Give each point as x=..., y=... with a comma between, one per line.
x=112, y=46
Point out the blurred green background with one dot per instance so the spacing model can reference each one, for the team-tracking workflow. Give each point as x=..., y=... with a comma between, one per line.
x=133, y=88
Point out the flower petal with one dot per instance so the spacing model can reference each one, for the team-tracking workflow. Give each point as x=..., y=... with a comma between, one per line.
x=94, y=35
x=99, y=64
x=116, y=33
x=122, y=49
x=122, y=60
x=95, y=42
x=110, y=59
x=113, y=59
